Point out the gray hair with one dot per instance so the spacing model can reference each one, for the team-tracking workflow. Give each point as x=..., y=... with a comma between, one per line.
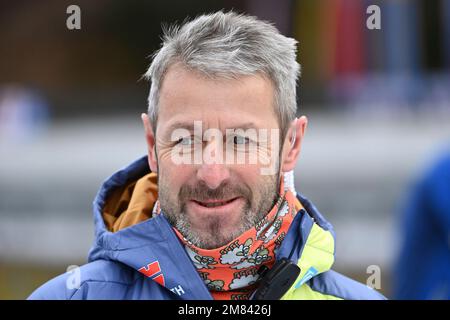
x=229, y=45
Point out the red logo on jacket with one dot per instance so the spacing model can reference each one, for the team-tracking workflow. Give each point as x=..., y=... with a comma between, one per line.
x=153, y=270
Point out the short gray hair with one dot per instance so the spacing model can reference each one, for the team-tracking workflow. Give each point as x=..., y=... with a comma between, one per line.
x=229, y=45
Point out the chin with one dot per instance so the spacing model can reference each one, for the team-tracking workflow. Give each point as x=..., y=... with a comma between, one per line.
x=214, y=238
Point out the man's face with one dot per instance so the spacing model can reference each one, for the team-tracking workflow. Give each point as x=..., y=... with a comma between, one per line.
x=214, y=200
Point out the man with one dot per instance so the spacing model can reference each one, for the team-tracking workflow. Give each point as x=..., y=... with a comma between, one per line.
x=211, y=212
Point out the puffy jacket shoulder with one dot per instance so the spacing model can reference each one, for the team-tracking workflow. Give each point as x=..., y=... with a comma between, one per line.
x=100, y=279
x=332, y=283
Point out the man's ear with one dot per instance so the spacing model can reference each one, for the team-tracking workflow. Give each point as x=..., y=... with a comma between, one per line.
x=293, y=143
x=151, y=144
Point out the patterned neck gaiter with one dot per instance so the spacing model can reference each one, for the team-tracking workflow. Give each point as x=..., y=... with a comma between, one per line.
x=231, y=272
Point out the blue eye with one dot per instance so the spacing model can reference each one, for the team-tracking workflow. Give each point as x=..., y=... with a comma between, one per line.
x=185, y=141
x=239, y=140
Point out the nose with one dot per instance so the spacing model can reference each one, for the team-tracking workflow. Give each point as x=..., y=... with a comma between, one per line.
x=212, y=170
x=213, y=174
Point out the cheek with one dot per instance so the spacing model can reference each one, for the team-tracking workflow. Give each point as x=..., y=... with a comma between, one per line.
x=249, y=175
x=258, y=166
x=268, y=153
x=259, y=183
x=173, y=176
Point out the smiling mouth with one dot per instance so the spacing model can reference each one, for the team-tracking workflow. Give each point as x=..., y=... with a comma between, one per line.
x=214, y=203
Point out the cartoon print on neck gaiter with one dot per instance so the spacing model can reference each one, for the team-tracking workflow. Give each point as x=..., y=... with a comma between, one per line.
x=200, y=262
x=235, y=253
x=258, y=257
x=244, y=278
x=215, y=285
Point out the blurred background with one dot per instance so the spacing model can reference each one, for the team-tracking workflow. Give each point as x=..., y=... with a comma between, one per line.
x=378, y=103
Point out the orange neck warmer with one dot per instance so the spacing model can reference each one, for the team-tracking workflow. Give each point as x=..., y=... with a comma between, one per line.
x=230, y=272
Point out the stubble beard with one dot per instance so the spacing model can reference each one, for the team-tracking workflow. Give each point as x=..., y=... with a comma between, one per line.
x=257, y=206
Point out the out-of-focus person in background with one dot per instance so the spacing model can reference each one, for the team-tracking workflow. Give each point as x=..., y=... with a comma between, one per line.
x=423, y=267
x=24, y=114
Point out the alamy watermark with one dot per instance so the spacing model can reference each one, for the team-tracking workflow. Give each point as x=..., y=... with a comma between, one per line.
x=374, y=19
x=73, y=281
x=374, y=280
x=73, y=21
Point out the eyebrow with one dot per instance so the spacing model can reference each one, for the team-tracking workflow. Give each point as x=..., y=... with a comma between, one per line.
x=245, y=126
x=190, y=126
x=180, y=125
